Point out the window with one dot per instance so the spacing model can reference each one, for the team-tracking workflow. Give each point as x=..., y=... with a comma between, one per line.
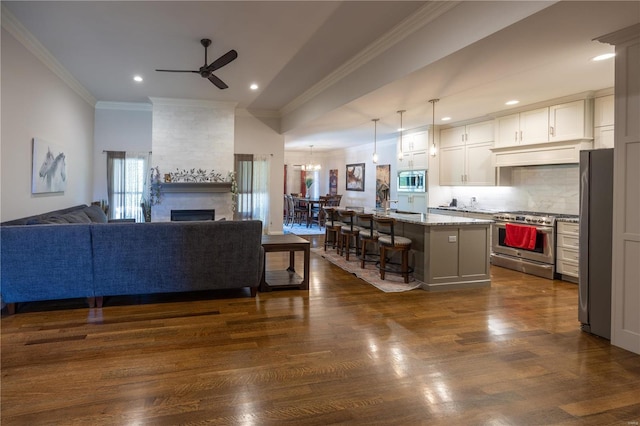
x=126, y=184
x=252, y=177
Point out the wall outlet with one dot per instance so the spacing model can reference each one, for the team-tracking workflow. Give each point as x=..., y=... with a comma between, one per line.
x=453, y=238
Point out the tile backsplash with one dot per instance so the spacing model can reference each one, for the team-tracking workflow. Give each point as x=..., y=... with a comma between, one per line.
x=549, y=188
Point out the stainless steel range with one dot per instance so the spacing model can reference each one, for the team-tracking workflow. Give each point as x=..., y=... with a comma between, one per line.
x=539, y=259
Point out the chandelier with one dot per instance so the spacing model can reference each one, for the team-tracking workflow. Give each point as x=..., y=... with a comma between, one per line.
x=310, y=166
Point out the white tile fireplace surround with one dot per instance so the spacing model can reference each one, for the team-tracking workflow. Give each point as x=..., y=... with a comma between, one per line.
x=221, y=202
x=193, y=134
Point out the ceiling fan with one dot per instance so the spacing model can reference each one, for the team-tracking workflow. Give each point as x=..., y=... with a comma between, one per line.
x=206, y=71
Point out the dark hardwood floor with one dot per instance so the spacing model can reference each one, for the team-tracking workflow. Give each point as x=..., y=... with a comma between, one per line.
x=341, y=353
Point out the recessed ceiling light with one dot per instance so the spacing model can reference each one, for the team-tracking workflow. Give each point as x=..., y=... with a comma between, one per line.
x=603, y=57
x=137, y=78
x=253, y=86
x=446, y=118
x=512, y=102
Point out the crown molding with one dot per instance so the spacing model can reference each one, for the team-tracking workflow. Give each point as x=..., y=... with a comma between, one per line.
x=424, y=15
x=192, y=103
x=17, y=30
x=124, y=106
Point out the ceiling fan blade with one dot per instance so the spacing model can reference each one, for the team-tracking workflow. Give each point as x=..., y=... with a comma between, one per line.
x=222, y=60
x=219, y=83
x=197, y=72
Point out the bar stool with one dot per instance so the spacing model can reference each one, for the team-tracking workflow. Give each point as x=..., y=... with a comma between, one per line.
x=332, y=228
x=392, y=243
x=367, y=235
x=348, y=232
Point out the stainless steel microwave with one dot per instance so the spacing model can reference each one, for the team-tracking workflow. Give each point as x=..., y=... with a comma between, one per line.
x=412, y=181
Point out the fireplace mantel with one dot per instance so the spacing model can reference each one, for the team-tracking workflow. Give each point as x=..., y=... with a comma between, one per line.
x=168, y=187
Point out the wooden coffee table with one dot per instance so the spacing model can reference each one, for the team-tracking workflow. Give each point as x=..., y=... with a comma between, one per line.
x=287, y=278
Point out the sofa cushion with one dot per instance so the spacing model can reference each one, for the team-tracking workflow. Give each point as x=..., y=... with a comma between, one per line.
x=96, y=214
x=77, y=217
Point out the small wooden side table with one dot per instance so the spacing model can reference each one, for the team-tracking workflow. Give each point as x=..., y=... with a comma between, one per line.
x=287, y=278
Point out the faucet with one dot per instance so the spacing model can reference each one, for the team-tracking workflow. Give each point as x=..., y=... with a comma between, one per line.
x=386, y=204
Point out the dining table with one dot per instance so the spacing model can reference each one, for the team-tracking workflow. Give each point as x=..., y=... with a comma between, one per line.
x=314, y=208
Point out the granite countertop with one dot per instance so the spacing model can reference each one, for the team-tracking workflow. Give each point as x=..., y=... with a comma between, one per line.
x=467, y=209
x=430, y=219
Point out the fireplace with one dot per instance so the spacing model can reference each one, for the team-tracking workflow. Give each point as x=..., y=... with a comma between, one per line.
x=191, y=215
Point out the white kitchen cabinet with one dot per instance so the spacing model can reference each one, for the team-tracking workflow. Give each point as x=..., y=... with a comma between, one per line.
x=418, y=141
x=561, y=122
x=567, y=250
x=603, y=137
x=412, y=202
x=567, y=121
x=470, y=134
x=524, y=128
x=415, y=152
x=603, y=122
x=417, y=160
x=467, y=165
x=603, y=114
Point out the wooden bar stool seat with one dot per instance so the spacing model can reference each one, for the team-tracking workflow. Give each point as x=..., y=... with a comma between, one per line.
x=392, y=243
x=332, y=228
x=348, y=232
x=367, y=236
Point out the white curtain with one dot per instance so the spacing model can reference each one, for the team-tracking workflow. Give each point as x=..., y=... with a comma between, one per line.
x=260, y=208
x=127, y=173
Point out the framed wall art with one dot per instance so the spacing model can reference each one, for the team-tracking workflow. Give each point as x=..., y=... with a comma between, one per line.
x=355, y=177
x=333, y=182
x=49, y=168
x=383, y=183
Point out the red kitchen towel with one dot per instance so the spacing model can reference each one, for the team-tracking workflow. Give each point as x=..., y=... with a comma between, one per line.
x=520, y=236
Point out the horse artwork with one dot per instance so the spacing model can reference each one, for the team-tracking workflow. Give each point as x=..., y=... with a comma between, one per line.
x=49, y=168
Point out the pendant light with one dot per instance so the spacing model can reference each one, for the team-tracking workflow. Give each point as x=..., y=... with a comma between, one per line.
x=309, y=167
x=433, y=125
x=401, y=129
x=375, y=145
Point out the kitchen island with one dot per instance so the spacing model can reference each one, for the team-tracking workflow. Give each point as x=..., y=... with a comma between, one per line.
x=448, y=252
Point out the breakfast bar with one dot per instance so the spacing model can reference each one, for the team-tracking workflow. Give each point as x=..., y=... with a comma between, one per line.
x=448, y=252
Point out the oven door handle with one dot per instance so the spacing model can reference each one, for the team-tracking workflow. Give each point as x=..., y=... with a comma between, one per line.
x=544, y=229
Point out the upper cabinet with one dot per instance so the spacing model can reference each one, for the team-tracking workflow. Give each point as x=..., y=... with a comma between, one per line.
x=523, y=128
x=414, y=151
x=465, y=155
x=562, y=122
x=603, y=122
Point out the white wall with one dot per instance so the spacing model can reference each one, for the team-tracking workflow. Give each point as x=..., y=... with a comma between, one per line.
x=118, y=127
x=37, y=103
x=253, y=136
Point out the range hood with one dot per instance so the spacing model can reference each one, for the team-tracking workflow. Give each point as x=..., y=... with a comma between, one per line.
x=564, y=152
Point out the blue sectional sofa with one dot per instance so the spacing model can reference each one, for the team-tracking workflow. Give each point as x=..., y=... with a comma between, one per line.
x=52, y=259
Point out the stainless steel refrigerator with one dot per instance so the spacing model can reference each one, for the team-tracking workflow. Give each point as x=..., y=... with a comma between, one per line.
x=596, y=221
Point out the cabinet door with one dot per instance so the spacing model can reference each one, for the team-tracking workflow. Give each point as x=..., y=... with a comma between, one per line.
x=420, y=160
x=419, y=203
x=566, y=121
x=404, y=201
x=480, y=170
x=603, y=137
x=507, y=131
x=452, y=137
x=419, y=141
x=534, y=126
x=480, y=132
x=603, y=112
x=452, y=165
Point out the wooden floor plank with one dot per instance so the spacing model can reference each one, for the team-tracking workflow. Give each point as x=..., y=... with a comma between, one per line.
x=341, y=353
